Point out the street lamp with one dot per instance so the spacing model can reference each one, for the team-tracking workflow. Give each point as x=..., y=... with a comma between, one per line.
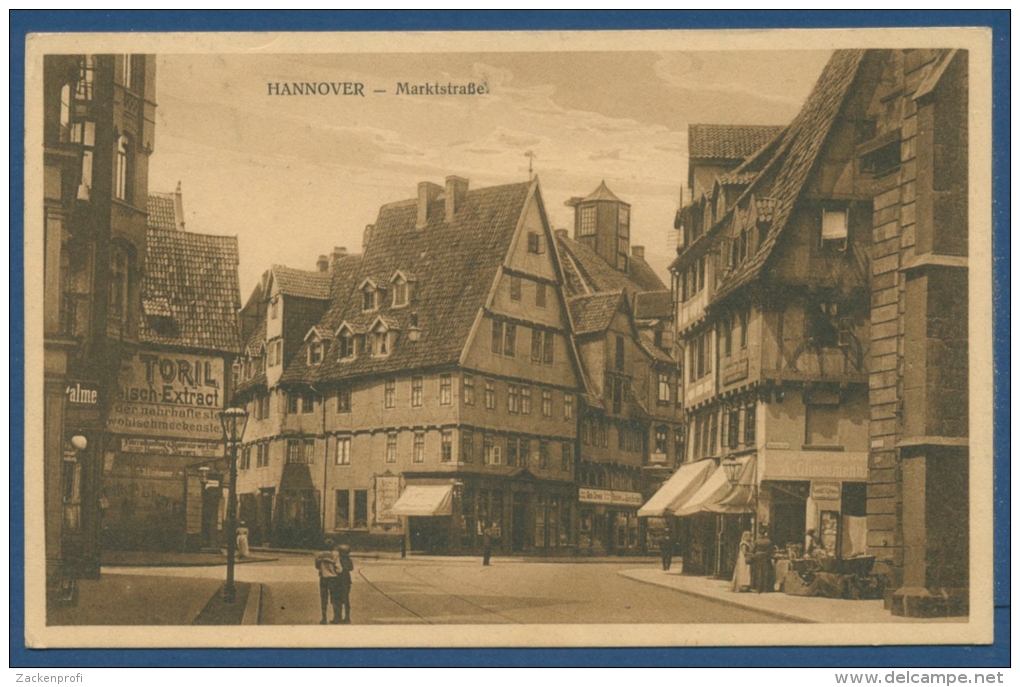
x=734, y=468
x=233, y=421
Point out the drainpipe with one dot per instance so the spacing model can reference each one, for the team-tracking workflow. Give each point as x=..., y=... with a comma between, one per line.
x=325, y=458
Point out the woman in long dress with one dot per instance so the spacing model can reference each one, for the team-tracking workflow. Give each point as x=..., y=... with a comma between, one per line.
x=242, y=541
x=742, y=572
x=762, y=573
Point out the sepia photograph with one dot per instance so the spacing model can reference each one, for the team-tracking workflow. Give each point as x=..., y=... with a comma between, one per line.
x=660, y=338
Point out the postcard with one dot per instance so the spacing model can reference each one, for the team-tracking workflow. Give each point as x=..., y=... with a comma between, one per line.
x=535, y=339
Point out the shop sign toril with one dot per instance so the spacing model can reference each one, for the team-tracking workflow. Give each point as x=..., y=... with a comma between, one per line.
x=826, y=491
x=169, y=396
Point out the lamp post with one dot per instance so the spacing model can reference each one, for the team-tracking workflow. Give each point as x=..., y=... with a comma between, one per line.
x=233, y=421
x=734, y=468
x=458, y=516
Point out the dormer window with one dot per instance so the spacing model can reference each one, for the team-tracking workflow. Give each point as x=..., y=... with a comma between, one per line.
x=315, y=351
x=379, y=340
x=347, y=348
x=368, y=300
x=399, y=292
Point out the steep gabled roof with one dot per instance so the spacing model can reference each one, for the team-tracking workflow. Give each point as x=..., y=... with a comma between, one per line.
x=455, y=264
x=302, y=283
x=190, y=295
x=728, y=141
x=162, y=215
x=653, y=305
x=785, y=174
x=599, y=275
x=592, y=314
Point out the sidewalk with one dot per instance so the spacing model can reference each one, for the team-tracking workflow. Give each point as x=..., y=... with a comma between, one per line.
x=518, y=558
x=797, y=608
x=136, y=600
x=173, y=559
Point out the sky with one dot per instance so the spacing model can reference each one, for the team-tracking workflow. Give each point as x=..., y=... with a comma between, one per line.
x=293, y=177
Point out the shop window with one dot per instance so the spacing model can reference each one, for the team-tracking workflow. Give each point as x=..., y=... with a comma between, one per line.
x=390, y=393
x=419, y=447
x=445, y=389
x=490, y=394
x=391, y=447
x=361, y=508
x=446, y=453
x=515, y=288
x=343, y=509
x=821, y=425
x=343, y=399
x=525, y=400
x=417, y=393
x=854, y=500
x=343, y=451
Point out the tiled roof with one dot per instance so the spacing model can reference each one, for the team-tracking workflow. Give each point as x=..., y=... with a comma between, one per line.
x=190, y=295
x=737, y=178
x=160, y=207
x=648, y=343
x=591, y=314
x=600, y=275
x=455, y=263
x=727, y=141
x=653, y=305
x=602, y=193
x=302, y=283
x=788, y=169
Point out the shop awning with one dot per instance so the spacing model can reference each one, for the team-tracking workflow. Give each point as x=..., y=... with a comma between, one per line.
x=717, y=495
x=425, y=500
x=677, y=489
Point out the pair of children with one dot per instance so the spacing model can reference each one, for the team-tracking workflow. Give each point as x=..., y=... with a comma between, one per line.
x=335, y=566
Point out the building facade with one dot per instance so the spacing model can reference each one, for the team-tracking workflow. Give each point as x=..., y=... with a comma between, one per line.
x=434, y=398
x=631, y=434
x=99, y=125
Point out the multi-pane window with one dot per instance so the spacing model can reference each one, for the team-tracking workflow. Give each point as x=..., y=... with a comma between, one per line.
x=547, y=349
x=540, y=294
x=419, y=447
x=390, y=393
x=566, y=456
x=497, y=337
x=391, y=447
x=446, y=452
x=380, y=343
x=361, y=508
x=399, y=293
x=343, y=451
x=469, y=390
x=586, y=221
x=244, y=461
x=467, y=446
x=750, y=418
x=536, y=345
x=525, y=400
x=524, y=455
x=511, y=451
x=487, y=450
x=315, y=353
x=274, y=308
x=510, y=340
x=262, y=455
x=307, y=403
x=293, y=401
x=620, y=353
x=343, y=509
x=617, y=389
x=343, y=399
x=368, y=300
x=417, y=394
x=346, y=346
x=543, y=454
x=678, y=444
x=568, y=406
x=733, y=428
x=661, y=439
x=665, y=390
x=515, y=288
x=535, y=242
x=445, y=389
x=513, y=398
x=547, y=402
x=300, y=450
x=490, y=394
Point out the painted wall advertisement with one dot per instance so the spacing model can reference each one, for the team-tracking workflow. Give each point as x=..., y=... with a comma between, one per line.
x=162, y=395
x=387, y=489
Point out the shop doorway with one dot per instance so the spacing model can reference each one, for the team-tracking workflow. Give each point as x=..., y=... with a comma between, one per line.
x=519, y=525
x=429, y=534
x=788, y=521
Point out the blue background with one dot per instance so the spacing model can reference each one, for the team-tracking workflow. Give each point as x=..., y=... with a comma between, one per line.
x=24, y=22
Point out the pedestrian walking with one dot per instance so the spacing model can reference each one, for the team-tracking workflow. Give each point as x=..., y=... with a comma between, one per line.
x=242, y=541
x=666, y=549
x=344, y=585
x=762, y=572
x=742, y=571
x=328, y=564
x=487, y=535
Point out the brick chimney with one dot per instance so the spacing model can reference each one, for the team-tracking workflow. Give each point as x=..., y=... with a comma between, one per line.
x=456, y=192
x=179, y=208
x=366, y=238
x=427, y=193
x=322, y=264
x=638, y=251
